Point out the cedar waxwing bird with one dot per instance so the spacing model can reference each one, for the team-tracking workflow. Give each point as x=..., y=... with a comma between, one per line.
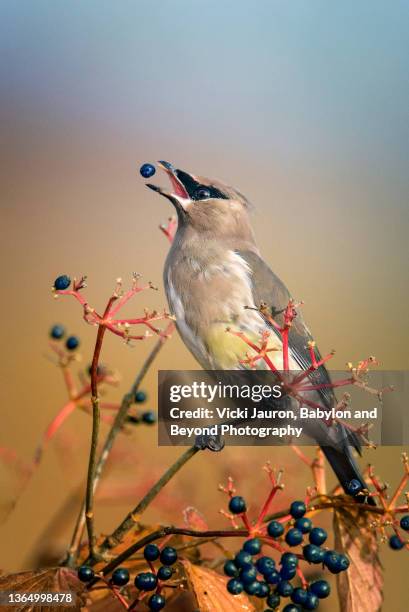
x=215, y=278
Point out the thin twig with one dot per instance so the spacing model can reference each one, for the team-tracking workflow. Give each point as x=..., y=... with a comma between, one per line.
x=117, y=425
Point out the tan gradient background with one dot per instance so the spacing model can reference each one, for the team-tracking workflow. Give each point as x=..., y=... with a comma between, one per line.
x=303, y=107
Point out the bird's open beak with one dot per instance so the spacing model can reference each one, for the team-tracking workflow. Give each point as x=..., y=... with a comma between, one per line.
x=179, y=196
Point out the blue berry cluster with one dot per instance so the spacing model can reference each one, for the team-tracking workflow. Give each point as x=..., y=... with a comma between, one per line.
x=395, y=542
x=57, y=332
x=150, y=581
x=253, y=573
x=144, y=581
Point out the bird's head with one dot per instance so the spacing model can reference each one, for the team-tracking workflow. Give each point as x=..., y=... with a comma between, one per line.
x=204, y=204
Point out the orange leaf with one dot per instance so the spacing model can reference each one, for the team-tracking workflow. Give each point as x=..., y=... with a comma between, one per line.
x=51, y=580
x=194, y=519
x=209, y=589
x=360, y=587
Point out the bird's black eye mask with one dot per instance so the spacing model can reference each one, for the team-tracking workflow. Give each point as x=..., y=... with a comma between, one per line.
x=197, y=191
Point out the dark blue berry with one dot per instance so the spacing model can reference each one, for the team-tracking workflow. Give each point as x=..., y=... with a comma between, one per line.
x=251, y=588
x=146, y=581
x=120, y=576
x=273, y=600
x=303, y=524
x=235, y=587
x=252, y=546
x=168, y=555
x=248, y=575
x=313, y=554
x=289, y=559
x=293, y=537
x=297, y=509
x=318, y=536
x=299, y=596
x=165, y=572
x=285, y=588
x=230, y=569
x=354, y=487
x=156, y=602
x=243, y=559
x=62, y=282
x=263, y=589
x=140, y=396
x=287, y=572
x=151, y=552
x=320, y=588
x=72, y=343
x=57, y=332
x=332, y=560
x=311, y=603
x=265, y=565
x=396, y=543
x=149, y=417
x=85, y=573
x=273, y=577
x=275, y=529
x=404, y=522
x=291, y=608
x=343, y=563
x=237, y=505
x=147, y=170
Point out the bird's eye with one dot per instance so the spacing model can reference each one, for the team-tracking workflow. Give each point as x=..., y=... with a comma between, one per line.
x=201, y=193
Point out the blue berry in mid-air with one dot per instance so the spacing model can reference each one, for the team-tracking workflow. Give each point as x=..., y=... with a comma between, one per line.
x=299, y=596
x=147, y=170
x=72, y=343
x=404, y=522
x=85, y=573
x=354, y=487
x=275, y=529
x=62, y=282
x=120, y=576
x=231, y=569
x=313, y=554
x=320, y=588
x=318, y=536
x=304, y=524
x=237, y=505
x=151, y=552
x=146, y=581
x=149, y=417
x=168, y=556
x=252, y=546
x=396, y=543
x=235, y=587
x=297, y=509
x=165, y=572
x=156, y=602
x=57, y=332
x=293, y=537
x=140, y=396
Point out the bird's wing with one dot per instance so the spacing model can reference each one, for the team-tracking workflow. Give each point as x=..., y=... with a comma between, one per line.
x=268, y=288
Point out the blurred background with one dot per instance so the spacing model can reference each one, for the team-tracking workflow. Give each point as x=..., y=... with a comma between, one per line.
x=301, y=105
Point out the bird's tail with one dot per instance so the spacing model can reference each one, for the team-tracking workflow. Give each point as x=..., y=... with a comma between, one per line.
x=346, y=470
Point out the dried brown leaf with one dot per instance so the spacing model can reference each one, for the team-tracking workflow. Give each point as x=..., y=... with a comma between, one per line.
x=360, y=588
x=209, y=589
x=55, y=580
